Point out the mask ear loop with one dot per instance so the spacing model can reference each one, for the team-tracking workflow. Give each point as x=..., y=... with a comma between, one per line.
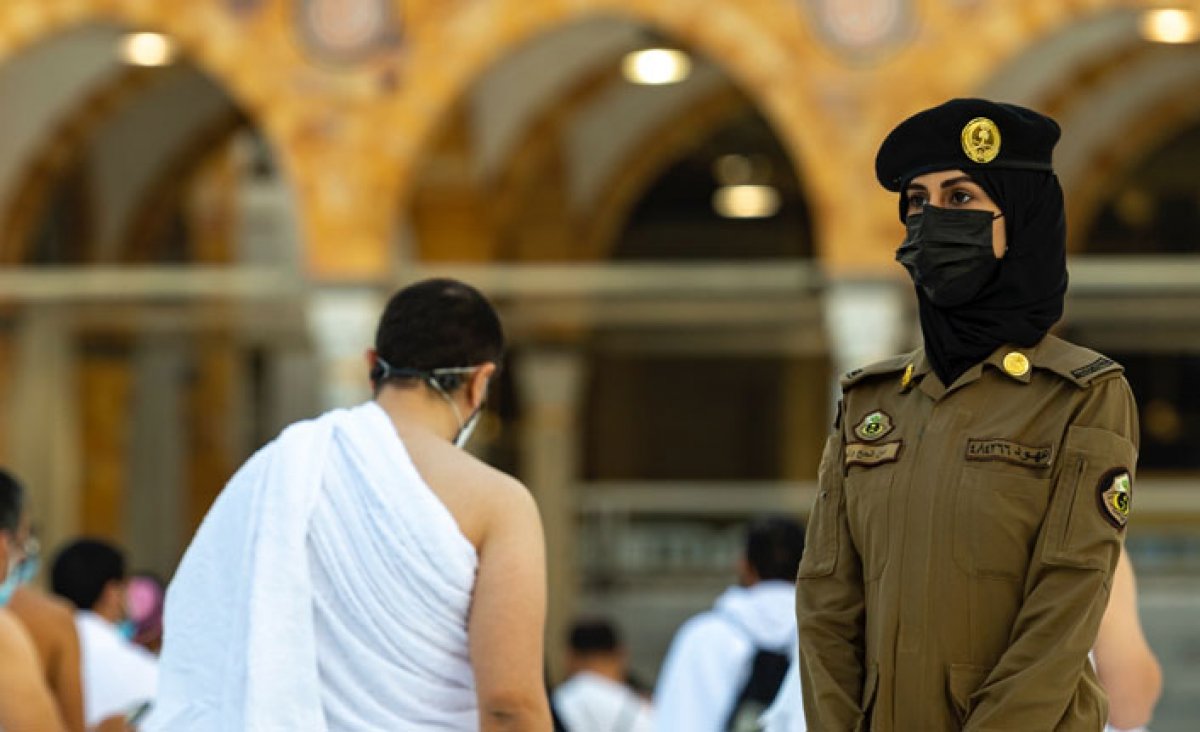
x=384, y=370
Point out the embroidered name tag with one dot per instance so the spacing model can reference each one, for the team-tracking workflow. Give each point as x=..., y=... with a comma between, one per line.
x=1009, y=452
x=869, y=455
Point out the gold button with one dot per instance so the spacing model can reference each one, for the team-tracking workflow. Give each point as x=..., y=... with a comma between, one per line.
x=1016, y=364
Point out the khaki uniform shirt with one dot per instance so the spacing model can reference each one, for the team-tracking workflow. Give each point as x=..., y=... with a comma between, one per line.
x=962, y=543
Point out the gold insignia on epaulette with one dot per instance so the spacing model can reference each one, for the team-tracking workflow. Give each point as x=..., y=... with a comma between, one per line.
x=874, y=426
x=1016, y=364
x=981, y=140
x=1116, y=497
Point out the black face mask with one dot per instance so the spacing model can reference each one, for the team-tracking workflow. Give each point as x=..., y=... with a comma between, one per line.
x=948, y=253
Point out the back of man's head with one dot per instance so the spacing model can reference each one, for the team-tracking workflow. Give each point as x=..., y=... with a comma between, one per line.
x=773, y=548
x=84, y=569
x=594, y=645
x=12, y=502
x=593, y=636
x=438, y=324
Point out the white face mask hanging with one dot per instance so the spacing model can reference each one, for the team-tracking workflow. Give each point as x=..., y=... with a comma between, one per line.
x=465, y=427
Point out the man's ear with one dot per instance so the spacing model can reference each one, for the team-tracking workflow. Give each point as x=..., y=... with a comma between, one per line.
x=479, y=384
x=372, y=358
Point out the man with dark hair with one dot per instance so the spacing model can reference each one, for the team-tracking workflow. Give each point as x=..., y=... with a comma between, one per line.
x=118, y=676
x=49, y=620
x=726, y=665
x=361, y=571
x=596, y=697
x=25, y=700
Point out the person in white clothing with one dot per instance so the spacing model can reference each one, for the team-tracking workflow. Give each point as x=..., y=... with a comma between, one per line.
x=725, y=665
x=1125, y=664
x=596, y=697
x=118, y=676
x=362, y=572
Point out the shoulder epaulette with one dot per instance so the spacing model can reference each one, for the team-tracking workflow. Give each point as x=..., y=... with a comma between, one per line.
x=1079, y=365
x=879, y=368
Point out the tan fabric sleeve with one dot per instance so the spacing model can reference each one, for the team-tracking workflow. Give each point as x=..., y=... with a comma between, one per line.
x=829, y=606
x=1067, y=585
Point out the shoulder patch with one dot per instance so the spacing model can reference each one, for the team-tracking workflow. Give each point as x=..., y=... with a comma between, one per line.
x=893, y=365
x=1077, y=364
x=1115, y=496
x=1099, y=365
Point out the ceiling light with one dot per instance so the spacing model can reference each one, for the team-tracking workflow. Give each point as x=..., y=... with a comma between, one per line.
x=746, y=202
x=1170, y=25
x=656, y=66
x=147, y=49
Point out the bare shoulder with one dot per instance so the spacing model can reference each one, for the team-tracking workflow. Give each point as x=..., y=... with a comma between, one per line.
x=15, y=643
x=35, y=607
x=475, y=493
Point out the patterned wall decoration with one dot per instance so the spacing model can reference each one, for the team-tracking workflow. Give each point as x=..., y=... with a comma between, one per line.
x=346, y=32
x=863, y=30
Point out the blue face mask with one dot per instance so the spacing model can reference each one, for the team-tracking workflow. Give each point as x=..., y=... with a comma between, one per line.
x=126, y=629
x=27, y=570
x=9, y=586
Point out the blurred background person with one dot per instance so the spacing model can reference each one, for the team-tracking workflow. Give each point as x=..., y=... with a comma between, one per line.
x=144, y=597
x=726, y=665
x=118, y=676
x=596, y=697
x=49, y=620
x=1127, y=668
x=25, y=701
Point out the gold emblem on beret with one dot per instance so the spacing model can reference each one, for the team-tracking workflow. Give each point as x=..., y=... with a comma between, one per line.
x=873, y=426
x=981, y=140
x=1016, y=364
x=1116, y=498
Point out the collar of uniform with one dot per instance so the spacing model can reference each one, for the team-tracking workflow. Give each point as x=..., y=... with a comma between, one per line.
x=935, y=389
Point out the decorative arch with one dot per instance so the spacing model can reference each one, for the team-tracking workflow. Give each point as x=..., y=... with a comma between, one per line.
x=254, y=59
x=775, y=71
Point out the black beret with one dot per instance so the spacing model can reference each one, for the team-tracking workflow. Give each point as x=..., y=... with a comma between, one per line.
x=966, y=134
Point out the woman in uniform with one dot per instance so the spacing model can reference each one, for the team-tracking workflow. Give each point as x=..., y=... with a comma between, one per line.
x=974, y=493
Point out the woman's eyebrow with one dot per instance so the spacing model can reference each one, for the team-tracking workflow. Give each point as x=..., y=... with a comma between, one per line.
x=916, y=187
x=956, y=181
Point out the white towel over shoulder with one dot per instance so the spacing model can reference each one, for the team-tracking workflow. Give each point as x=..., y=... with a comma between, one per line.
x=327, y=589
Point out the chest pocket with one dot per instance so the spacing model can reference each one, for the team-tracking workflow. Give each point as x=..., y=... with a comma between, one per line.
x=998, y=512
x=868, y=503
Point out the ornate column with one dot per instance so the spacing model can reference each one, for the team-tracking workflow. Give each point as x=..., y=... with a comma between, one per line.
x=867, y=320
x=550, y=382
x=342, y=321
x=43, y=414
x=158, y=478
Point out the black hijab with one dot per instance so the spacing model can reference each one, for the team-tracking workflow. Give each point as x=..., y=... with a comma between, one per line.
x=1025, y=296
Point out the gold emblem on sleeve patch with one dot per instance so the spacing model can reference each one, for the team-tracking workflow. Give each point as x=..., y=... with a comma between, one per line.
x=981, y=140
x=874, y=426
x=1116, y=497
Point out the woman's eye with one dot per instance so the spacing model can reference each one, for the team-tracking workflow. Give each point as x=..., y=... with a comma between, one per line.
x=917, y=201
x=961, y=198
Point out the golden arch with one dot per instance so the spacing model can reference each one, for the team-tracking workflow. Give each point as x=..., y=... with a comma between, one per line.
x=775, y=70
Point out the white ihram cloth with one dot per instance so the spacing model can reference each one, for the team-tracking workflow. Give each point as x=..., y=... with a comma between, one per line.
x=117, y=675
x=589, y=702
x=327, y=589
